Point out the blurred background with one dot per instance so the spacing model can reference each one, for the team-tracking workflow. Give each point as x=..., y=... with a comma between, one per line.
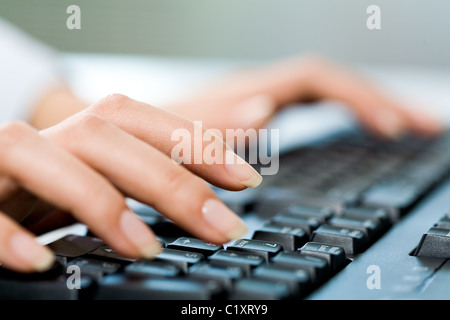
x=412, y=31
x=157, y=50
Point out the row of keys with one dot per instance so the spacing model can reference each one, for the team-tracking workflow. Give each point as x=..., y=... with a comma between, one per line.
x=187, y=268
x=237, y=272
x=354, y=229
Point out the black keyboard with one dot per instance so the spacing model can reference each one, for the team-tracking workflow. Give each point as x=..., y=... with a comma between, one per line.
x=326, y=206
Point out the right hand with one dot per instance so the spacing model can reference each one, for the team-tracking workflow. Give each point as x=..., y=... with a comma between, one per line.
x=84, y=168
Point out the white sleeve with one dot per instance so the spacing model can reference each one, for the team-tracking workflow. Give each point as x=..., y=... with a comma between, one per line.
x=28, y=69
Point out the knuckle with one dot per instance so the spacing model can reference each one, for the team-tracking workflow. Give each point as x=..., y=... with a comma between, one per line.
x=90, y=123
x=13, y=134
x=78, y=130
x=181, y=184
x=111, y=103
x=176, y=181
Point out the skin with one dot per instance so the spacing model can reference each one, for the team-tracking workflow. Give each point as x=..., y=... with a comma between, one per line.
x=74, y=162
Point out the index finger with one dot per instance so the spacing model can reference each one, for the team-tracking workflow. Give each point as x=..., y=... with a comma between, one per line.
x=200, y=150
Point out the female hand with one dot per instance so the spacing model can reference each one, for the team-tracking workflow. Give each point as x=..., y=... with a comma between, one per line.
x=250, y=98
x=86, y=166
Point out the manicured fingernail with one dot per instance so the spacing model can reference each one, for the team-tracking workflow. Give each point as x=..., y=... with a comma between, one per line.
x=30, y=251
x=223, y=219
x=241, y=170
x=139, y=234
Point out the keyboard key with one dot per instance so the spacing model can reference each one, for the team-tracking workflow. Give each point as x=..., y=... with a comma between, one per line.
x=264, y=249
x=291, y=238
x=95, y=268
x=316, y=267
x=259, y=289
x=380, y=214
x=225, y=276
x=370, y=227
x=180, y=258
x=152, y=268
x=105, y=252
x=74, y=246
x=194, y=245
x=121, y=287
x=169, y=231
x=334, y=255
x=245, y=261
x=298, y=279
x=444, y=222
x=434, y=243
x=294, y=220
x=353, y=241
x=320, y=213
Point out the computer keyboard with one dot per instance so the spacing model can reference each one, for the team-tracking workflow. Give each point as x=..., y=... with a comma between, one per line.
x=327, y=205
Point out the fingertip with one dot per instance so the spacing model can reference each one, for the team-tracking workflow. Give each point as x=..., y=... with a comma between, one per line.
x=34, y=256
x=139, y=235
x=426, y=123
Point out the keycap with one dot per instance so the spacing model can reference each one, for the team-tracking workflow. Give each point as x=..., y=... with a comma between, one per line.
x=239, y=202
x=74, y=246
x=319, y=213
x=333, y=255
x=291, y=238
x=95, y=268
x=152, y=268
x=316, y=267
x=353, y=241
x=434, y=243
x=169, y=231
x=293, y=220
x=106, y=252
x=243, y=260
x=264, y=249
x=225, y=276
x=380, y=214
x=370, y=227
x=444, y=222
x=182, y=259
x=260, y=289
x=194, y=245
x=297, y=279
x=122, y=287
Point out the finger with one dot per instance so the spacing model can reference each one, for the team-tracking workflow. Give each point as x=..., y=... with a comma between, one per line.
x=147, y=175
x=375, y=109
x=19, y=250
x=61, y=179
x=8, y=187
x=421, y=122
x=169, y=133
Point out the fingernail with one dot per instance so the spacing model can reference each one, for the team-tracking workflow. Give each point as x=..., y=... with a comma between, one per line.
x=241, y=170
x=223, y=219
x=28, y=250
x=139, y=234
